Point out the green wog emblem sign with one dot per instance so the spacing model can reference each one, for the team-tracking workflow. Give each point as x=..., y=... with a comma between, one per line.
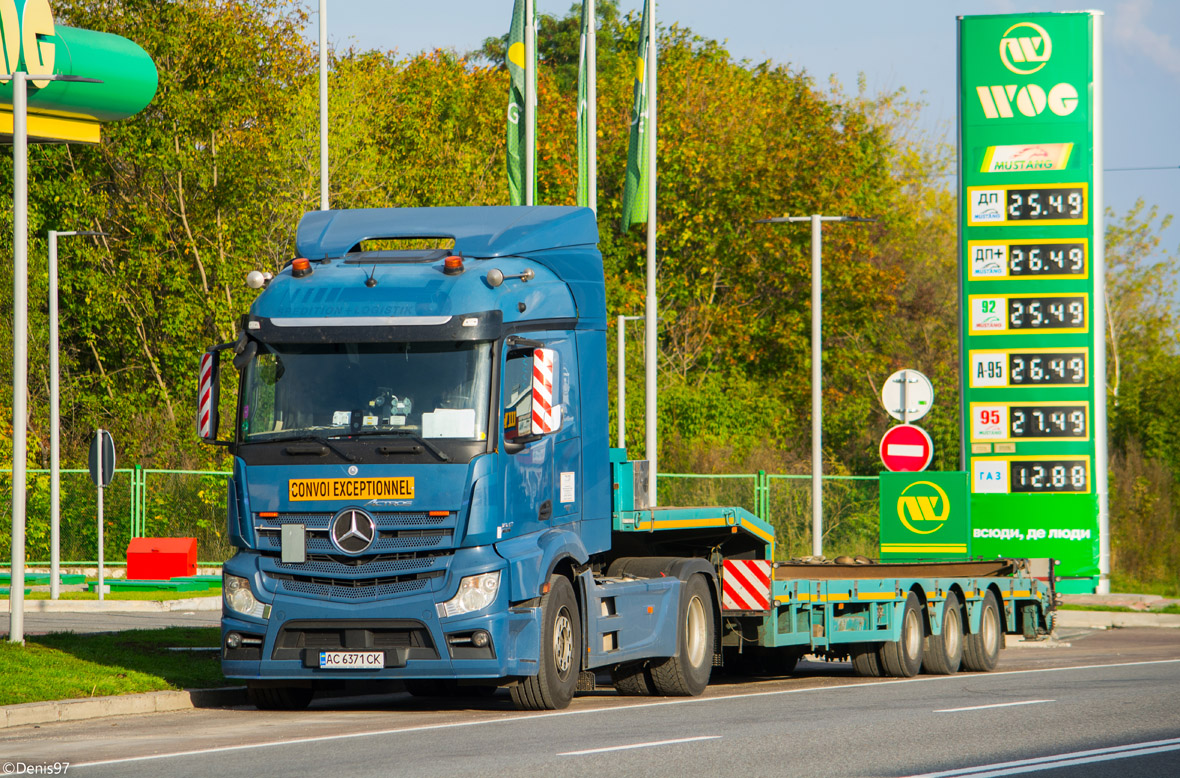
x=924, y=516
x=1031, y=273
x=32, y=42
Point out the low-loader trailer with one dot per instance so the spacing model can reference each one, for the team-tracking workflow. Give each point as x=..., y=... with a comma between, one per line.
x=423, y=491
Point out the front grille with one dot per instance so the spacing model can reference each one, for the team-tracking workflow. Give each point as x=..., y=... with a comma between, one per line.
x=388, y=563
x=365, y=588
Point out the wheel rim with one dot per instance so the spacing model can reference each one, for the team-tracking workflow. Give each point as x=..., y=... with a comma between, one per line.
x=952, y=632
x=563, y=642
x=989, y=628
x=912, y=639
x=695, y=630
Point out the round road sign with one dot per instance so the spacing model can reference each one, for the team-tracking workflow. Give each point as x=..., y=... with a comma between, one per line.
x=907, y=395
x=906, y=449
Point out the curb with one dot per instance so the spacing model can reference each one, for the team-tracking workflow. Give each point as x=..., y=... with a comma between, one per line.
x=121, y=705
x=118, y=606
x=1109, y=619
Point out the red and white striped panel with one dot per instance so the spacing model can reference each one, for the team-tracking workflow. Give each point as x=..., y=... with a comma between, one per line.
x=205, y=397
x=745, y=585
x=546, y=418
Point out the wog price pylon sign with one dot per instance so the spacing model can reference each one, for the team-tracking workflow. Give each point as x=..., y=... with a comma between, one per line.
x=1033, y=407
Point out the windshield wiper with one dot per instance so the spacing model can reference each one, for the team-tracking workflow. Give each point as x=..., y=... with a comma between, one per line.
x=324, y=442
x=404, y=434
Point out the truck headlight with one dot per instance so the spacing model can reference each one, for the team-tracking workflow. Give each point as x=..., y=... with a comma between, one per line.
x=475, y=593
x=239, y=597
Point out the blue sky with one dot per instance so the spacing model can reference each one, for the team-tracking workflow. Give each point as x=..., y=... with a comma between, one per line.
x=902, y=43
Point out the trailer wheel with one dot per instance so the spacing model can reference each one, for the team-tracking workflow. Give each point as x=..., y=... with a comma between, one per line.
x=864, y=660
x=981, y=650
x=687, y=673
x=943, y=653
x=553, y=686
x=279, y=697
x=903, y=658
x=632, y=679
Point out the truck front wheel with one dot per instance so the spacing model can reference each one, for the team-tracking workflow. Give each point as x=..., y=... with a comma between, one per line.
x=687, y=673
x=552, y=688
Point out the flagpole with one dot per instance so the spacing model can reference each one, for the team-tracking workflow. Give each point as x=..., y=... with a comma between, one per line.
x=652, y=315
x=530, y=100
x=592, y=105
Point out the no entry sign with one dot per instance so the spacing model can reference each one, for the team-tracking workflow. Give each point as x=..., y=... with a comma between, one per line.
x=906, y=449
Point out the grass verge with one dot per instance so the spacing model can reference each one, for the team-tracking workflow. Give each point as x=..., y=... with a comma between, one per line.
x=63, y=665
x=132, y=595
x=1173, y=609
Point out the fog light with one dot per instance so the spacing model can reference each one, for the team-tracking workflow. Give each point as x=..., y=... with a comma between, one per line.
x=233, y=640
x=479, y=638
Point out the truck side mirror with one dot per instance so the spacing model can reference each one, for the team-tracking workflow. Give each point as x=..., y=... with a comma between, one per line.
x=209, y=395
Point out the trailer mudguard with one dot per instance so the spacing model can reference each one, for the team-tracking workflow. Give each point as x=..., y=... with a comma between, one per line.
x=532, y=559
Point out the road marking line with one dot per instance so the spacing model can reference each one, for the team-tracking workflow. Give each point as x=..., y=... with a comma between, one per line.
x=613, y=709
x=997, y=705
x=641, y=745
x=1059, y=760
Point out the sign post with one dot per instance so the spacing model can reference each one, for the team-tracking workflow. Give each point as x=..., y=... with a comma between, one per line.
x=102, y=470
x=1031, y=276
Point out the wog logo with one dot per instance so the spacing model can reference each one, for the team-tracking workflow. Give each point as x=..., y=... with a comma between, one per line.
x=923, y=507
x=1025, y=54
x=1025, y=48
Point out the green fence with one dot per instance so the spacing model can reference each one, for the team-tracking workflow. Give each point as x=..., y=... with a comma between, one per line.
x=850, y=506
x=139, y=502
x=142, y=502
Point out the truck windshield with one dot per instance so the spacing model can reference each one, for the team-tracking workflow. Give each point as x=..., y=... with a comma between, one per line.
x=430, y=390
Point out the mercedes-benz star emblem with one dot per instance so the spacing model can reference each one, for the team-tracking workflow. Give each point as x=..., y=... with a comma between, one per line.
x=353, y=531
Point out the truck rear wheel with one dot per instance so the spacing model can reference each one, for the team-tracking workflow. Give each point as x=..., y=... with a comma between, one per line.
x=943, y=653
x=279, y=697
x=981, y=650
x=687, y=673
x=553, y=686
x=903, y=658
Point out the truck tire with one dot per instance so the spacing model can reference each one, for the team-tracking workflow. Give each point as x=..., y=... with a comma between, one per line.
x=687, y=673
x=943, y=653
x=279, y=697
x=903, y=658
x=632, y=679
x=981, y=650
x=553, y=686
x=864, y=660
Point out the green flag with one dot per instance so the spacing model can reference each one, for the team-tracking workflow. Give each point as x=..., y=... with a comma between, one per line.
x=516, y=112
x=635, y=186
x=584, y=139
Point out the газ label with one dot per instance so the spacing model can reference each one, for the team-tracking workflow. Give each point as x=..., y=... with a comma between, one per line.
x=349, y=488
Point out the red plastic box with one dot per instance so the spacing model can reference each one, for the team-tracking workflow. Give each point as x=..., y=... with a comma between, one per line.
x=158, y=559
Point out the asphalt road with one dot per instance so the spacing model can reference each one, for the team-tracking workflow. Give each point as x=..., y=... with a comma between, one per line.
x=1106, y=705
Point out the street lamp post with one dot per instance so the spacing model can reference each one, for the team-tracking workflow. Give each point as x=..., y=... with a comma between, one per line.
x=621, y=367
x=817, y=412
x=55, y=418
x=20, y=333
x=324, y=105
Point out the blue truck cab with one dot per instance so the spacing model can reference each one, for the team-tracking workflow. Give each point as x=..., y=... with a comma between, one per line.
x=423, y=492
x=420, y=456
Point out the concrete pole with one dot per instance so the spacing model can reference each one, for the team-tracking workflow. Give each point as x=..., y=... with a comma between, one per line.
x=592, y=105
x=54, y=427
x=530, y=103
x=324, y=105
x=20, y=349
x=817, y=408
x=621, y=373
x=651, y=340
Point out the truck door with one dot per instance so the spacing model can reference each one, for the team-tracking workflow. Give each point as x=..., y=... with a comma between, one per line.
x=539, y=423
